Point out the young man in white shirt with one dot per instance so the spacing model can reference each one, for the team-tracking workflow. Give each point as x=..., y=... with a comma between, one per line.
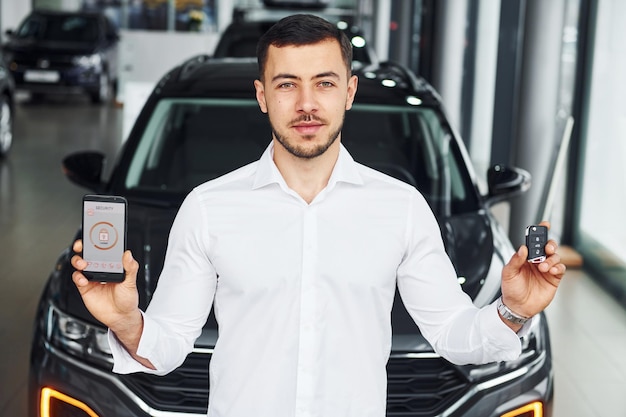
x=300, y=254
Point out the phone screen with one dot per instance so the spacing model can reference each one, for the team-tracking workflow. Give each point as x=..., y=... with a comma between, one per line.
x=104, y=237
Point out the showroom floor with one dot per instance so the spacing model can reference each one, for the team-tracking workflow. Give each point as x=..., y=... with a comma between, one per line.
x=40, y=212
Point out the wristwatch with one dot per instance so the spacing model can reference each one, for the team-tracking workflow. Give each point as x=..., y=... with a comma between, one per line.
x=507, y=314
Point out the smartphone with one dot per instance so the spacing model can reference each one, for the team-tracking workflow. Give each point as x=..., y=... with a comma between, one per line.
x=104, y=237
x=536, y=239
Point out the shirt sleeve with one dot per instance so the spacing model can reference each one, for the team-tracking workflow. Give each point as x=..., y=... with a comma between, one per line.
x=446, y=316
x=182, y=300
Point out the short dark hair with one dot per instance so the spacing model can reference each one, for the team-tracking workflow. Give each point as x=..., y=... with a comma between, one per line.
x=302, y=29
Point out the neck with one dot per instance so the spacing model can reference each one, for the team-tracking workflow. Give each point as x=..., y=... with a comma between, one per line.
x=307, y=177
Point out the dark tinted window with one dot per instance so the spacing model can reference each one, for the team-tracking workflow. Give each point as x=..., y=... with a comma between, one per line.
x=187, y=142
x=63, y=28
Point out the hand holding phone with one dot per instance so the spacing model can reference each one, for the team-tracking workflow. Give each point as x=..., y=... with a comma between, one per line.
x=536, y=240
x=104, y=237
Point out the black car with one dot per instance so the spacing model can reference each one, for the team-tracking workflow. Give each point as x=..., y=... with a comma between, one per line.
x=201, y=121
x=240, y=38
x=7, y=87
x=64, y=52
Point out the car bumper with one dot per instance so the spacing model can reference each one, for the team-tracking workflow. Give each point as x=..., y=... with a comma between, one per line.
x=65, y=80
x=62, y=385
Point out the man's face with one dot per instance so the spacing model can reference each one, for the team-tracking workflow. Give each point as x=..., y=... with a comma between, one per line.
x=306, y=91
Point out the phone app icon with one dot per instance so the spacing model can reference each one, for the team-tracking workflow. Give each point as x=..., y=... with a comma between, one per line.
x=103, y=235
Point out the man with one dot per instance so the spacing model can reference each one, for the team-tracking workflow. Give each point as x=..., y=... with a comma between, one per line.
x=300, y=253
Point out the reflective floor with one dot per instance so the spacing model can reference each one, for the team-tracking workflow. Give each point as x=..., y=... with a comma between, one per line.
x=40, y=211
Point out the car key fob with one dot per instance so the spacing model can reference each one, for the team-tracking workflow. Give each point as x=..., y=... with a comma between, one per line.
x=536, y=239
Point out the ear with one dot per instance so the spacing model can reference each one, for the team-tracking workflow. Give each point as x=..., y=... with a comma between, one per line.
x=352, y=85
x=260, y=95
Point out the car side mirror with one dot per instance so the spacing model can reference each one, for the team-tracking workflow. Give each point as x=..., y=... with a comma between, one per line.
x=85, y=169
x=506, y=182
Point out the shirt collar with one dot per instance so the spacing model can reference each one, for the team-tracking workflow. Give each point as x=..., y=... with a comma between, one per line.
x=345, y=170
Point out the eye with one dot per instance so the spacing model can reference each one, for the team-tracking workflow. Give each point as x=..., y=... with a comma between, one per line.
x=326, y=84
x=286, y=85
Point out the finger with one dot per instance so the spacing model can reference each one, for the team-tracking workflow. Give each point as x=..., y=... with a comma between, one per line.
x=79, y=279
x=78, y=246
x=545, y=223
x=551, y=247
x=78, y=263
x=558, y=270
x=550, y=261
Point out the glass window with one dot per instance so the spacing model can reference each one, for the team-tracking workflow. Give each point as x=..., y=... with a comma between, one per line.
x=59, y=28
x=187, y=16
x=601, y=229
x=189, y=141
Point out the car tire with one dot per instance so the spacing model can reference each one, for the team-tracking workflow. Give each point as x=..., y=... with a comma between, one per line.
x=103, y=93
x=6, y=125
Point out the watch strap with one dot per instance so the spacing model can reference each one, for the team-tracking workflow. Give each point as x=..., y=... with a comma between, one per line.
x=509, y=315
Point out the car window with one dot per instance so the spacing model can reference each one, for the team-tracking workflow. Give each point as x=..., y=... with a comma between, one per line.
x=60, y=28
x=411, y=144
x=189, y=141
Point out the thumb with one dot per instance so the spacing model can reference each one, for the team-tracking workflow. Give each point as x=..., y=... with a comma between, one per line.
x=516, y=262
x=131, y=267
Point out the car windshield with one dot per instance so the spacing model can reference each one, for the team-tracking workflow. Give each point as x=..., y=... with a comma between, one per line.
x=189, y=141
x=59, y=28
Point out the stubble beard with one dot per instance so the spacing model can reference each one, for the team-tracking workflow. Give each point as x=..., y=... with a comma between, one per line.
x=302, y=151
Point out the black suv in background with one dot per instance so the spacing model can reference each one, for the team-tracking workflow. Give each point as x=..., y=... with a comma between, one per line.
x=240, y=37
x=201, y=121
x=64, y=52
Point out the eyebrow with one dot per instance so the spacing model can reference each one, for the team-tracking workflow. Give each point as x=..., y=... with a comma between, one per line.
x=331, y=74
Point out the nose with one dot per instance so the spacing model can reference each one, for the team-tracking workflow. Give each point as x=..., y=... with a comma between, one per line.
x=307, y=100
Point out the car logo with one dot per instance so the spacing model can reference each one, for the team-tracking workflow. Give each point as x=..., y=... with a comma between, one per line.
x=43, y=63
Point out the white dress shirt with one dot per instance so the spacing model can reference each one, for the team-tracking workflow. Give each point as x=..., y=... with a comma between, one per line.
x=303, y=292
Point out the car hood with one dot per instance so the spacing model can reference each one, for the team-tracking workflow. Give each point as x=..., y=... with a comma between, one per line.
x=468, y=239
x=42, y=47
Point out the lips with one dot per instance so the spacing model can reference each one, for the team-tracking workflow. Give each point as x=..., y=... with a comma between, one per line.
x=307, y=124
x=308, y=128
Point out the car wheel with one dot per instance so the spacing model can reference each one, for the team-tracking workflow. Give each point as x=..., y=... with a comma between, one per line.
x=103, y=93
x=6, y=126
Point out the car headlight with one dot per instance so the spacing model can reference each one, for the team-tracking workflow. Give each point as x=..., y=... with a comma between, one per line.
x=7, y=57
x=77, y=337
x=93, y=60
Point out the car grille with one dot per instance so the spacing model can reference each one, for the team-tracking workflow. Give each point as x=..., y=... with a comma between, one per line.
x=53, y=62
x=419, y=387
x=416, y=386
x=184, y=390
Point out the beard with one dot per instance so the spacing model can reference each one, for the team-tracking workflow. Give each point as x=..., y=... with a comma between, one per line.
x=305, y=152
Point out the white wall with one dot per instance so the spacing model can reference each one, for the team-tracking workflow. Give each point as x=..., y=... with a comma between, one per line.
x=11, y=14
x=57, y=4
x=145, y=56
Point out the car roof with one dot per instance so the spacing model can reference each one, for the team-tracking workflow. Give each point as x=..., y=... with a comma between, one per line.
x=203, y=76
x=55, y=12
x=241, y=36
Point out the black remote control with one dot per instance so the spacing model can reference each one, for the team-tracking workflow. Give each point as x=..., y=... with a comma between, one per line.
x=536, y=239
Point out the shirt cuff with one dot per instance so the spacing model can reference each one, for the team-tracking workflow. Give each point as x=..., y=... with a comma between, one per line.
x=502, y=339
x=523, y=331
x=123, y=362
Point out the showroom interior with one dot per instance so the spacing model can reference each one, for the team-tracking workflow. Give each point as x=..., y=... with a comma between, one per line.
x=532, y=84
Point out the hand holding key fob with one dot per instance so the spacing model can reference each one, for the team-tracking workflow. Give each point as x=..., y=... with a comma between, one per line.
x=536, y=240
